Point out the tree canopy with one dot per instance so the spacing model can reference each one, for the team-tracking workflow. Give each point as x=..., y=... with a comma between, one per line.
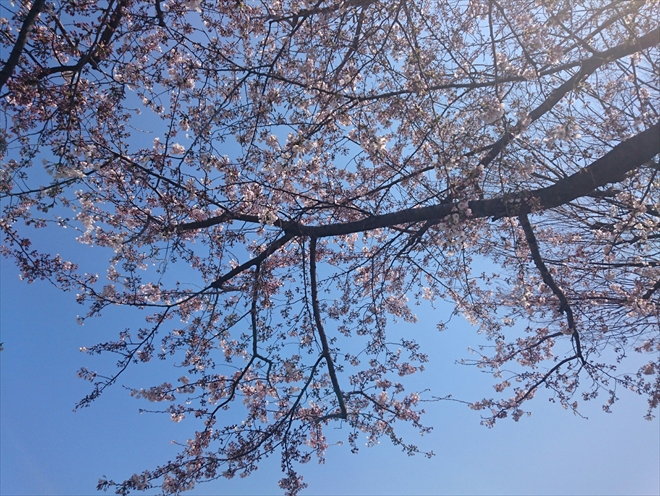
x=279, y=182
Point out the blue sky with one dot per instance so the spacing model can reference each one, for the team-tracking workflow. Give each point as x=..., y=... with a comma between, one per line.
x=48, y=449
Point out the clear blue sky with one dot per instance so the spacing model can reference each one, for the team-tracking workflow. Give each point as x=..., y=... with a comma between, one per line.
x=48, y=449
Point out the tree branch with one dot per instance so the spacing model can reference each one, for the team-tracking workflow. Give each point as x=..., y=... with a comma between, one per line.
x=519, y=401
x=16, y=52
x=564, y=306
x=319, y=326
x=611, y=167
x=272, y=248
x=587, y=68
x=650, y=292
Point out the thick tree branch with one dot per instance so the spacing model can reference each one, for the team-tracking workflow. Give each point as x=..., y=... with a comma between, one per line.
x=22, y=39
x=254, y=324
x=543, y=270
x=650, y=292
x=115, y=18
x=587, y=68
x=610, y=168
x=160, y=15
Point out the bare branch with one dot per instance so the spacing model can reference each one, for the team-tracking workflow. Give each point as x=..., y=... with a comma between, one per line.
x=564, y=306
x=319, y=326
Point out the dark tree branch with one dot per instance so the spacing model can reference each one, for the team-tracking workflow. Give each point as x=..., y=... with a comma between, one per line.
x=646, y=41
x=110, y=29
x=21, y=40
x=532, y=346
x=542, y=380
x=587, y=68
x=540, y=265
x=610, y=168
x=255, y=328
x=319, y=327
x=272, y=248
x=159, y=14
x=650, y=292
x=98, y=53
x=564, y=306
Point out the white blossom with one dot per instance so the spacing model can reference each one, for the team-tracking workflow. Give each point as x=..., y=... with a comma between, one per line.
x=492, y=112
x=177, y=149
x=193, y=5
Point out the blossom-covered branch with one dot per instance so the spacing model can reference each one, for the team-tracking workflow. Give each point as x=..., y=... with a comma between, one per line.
x=276, y=185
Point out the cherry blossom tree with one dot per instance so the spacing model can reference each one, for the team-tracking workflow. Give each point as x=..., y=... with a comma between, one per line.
x=277, y=182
